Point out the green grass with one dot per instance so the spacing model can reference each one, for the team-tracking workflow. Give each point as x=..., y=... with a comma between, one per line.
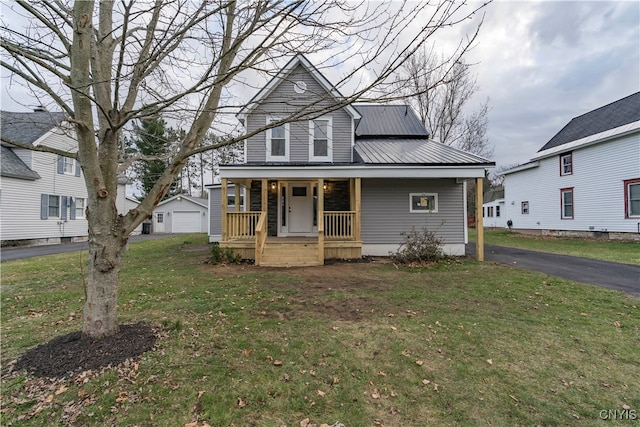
x=626, y=252
x=462, y=343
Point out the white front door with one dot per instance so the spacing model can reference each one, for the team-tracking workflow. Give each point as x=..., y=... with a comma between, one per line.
x=298, y=208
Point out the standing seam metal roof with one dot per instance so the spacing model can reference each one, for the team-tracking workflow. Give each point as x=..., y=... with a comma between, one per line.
x=413, y=151
x=389, y=120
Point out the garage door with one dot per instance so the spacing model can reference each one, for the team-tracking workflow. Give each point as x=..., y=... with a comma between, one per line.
x=186, y=222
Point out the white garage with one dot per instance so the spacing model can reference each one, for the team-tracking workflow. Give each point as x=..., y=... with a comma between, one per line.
x=186, y=222
x=181, y=214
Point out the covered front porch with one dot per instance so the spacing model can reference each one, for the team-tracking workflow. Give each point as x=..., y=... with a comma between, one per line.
x=293, y=222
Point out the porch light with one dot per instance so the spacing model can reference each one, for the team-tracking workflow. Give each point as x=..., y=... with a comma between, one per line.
x=273, y=185
x=324, y=186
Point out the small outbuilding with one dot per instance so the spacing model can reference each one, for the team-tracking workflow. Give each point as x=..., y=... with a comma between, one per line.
x=181, y=214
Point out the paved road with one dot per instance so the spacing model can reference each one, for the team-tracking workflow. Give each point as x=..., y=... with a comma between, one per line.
x=8, y=254
x=622, y=277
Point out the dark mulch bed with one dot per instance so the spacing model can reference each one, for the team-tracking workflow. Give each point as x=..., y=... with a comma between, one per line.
x=71, y=353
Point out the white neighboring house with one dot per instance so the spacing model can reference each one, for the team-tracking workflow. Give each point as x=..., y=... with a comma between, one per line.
x=42, y=195
x=125, y=203
x=586, y=180
x=493, y=209
x=181, y=214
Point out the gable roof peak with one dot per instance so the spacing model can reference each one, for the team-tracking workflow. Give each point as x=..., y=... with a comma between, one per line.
x=298, y=59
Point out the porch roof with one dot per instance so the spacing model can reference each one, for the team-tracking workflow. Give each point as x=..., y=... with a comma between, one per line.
x=406, y=151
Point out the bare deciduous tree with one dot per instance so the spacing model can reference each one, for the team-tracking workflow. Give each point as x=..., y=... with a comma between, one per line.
x=440, y=88
x=108, y=63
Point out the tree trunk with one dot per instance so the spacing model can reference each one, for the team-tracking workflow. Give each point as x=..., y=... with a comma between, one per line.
x=100, y=314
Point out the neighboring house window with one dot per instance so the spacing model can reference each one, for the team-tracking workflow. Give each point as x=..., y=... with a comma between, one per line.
x=49, y=206
x=278, y=143
x=497, y=211
x=68, y=166
x=54, y=206
x=160, y=217
x=566, y=164
x=320, y=140
x=566, y=200
x=632, y=198
x=490, y=211
x=524, y=208
x=483, y=212
x=76, y=207
x=423, y=202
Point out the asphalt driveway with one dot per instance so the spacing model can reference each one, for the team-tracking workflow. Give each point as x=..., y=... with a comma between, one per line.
x=622, y=277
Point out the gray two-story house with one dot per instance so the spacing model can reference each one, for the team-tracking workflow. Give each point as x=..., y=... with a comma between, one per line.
x=344, y=182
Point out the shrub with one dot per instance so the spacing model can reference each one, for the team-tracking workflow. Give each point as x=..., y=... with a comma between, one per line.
x=224, y=256
x=419, y=246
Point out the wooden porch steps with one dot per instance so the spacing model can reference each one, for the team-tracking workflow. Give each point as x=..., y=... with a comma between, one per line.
x=290, y=254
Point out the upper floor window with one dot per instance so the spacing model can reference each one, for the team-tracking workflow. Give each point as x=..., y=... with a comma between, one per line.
x=524, y=208
x=566, y=201
x=498, y=211
x=278, y=142
x=566, y=164
x=68, y=166
x=320, y=140
x=632, y=198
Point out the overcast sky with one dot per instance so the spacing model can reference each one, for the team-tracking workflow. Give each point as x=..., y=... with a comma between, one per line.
x=540, y=63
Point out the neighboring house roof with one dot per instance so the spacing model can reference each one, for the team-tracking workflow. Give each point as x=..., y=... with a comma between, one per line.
x=196, y=200
x=29, y=127
x=493, y=195
x=12, y=167
x=616, y=114
x=424, y=152
x=299, y=59
x=389, y=120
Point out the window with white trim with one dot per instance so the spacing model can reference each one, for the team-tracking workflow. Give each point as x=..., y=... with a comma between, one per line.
x=497, y=211
x=79, y=207
x=320, y=140
x=524, y=208
x=160, y=217
x=566, y=164
x=566, y=201
x=423, y=202
x=53, y=210
x=632, y=198
x=278, y=142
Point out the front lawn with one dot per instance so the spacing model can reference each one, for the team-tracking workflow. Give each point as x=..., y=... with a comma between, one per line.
x=362, y=344
x=626, y=252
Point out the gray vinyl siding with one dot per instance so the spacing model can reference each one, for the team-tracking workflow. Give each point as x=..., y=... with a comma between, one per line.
x=215, y=211
x=284, y=100
x=386, y=213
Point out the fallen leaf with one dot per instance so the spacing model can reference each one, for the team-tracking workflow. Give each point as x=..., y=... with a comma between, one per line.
x=419, y=362
x=200, y=393
x=616, y=324
x=320, y=393
x=583, y=314
x=285, y=377
x=193, y=424
x=435, y=387
x=394, y=410
x=277, y=363
x=49, y=399
x=394, y=394
x=241, y=403
x=514, y=398
x=61, y=390
x=490, y=361
x=246, y=352
x=626, y=407
x=425, y=382
x=304, y=423
x=335, y=380
x=382, y=374
x=375, y=394
x=393, y=328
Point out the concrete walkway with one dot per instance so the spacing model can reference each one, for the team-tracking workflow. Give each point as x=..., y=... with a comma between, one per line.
x=622, y=277
x=9, y=254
